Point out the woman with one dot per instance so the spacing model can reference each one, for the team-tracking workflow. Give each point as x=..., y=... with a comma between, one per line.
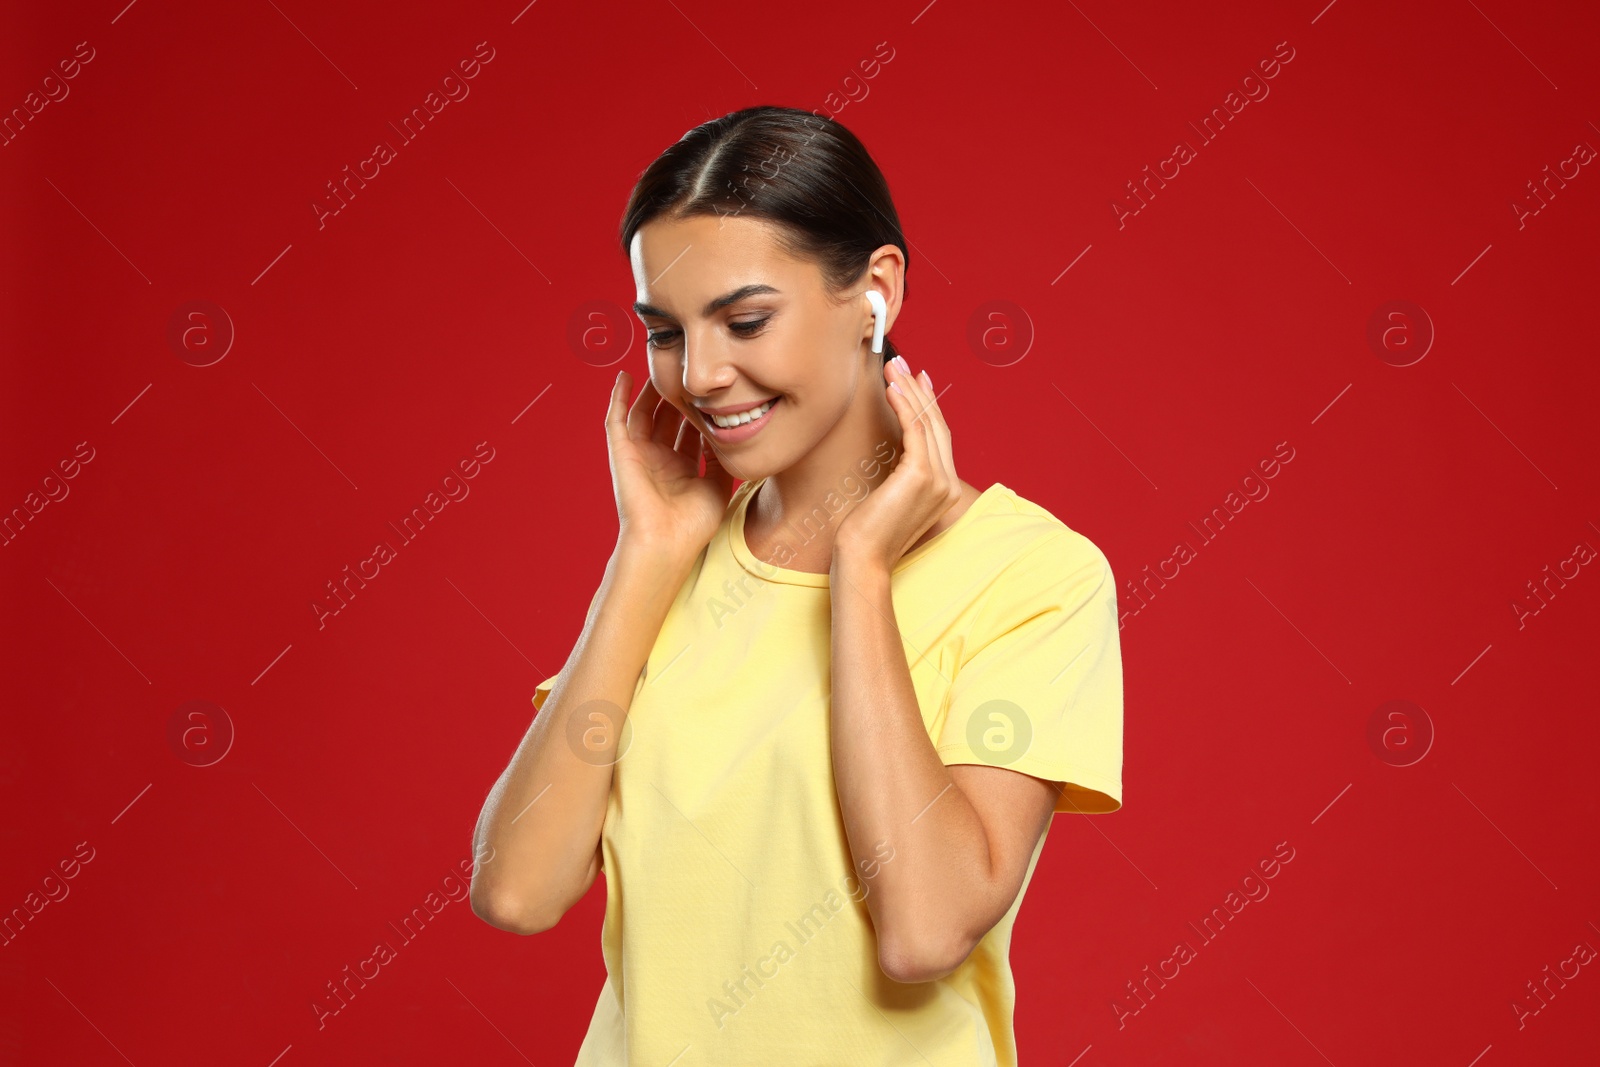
x=814, y=734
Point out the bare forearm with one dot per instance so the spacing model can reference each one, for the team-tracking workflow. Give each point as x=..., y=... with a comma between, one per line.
x=893, y=788
x=544, y=815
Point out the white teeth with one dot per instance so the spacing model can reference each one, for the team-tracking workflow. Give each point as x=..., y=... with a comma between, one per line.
x=728, y=422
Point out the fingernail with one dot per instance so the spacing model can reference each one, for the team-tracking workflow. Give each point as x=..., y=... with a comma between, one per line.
x=905, y=367
x=896, y=386
x=927, y=379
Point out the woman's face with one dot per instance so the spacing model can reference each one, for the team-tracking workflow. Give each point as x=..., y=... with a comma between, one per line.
x=780, y=337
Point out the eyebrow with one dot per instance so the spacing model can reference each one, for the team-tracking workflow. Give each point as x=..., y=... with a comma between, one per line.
x=756, y=289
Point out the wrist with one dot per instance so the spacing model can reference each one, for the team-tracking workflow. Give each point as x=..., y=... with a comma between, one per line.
x=648, y=584
x=637, y=556
x=857, y=564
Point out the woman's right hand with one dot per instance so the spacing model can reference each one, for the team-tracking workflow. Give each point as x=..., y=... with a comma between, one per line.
x=663, y=503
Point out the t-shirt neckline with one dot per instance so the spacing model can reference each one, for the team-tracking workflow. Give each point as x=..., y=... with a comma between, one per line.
x=774, y=573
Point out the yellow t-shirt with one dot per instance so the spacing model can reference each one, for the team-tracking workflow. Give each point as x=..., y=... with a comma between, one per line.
x=736, y=931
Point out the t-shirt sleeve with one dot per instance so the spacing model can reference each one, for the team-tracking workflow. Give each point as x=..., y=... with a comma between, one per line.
x=1041, y=693
x=541, y=692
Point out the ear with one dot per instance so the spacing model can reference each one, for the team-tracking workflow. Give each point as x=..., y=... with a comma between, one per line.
x=886, y=275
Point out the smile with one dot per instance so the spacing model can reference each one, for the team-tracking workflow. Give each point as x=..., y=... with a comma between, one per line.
x=727, y=422
x=746, y=424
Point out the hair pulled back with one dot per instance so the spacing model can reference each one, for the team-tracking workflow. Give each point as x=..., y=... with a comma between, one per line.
x=807, y=174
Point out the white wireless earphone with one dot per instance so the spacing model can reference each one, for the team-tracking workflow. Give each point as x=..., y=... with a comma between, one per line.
x=880, y=315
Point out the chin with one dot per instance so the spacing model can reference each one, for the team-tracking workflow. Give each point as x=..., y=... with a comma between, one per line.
x=752, y=472
x=752, y=468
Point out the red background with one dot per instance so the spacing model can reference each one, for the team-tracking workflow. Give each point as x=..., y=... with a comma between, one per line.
x=373, y=353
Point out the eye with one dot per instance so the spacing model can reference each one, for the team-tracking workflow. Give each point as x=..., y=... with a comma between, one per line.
x=748, y=328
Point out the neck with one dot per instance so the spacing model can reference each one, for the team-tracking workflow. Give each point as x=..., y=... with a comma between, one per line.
x=803, y=504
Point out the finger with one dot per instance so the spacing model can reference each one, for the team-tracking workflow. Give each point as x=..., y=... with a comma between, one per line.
x=921, y=405
x=684, y=444
x=667, y=417
x=642, y=412
x=940, y=463
x=941, y=430
x=616, y=408
x=913, y=438
x=714, y=467
x=920, y=398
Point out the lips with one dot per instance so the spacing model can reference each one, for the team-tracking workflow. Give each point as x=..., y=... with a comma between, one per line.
x=743, y=431
x=720, y=417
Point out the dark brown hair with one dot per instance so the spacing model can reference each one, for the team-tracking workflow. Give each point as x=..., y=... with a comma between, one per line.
x=806, y=173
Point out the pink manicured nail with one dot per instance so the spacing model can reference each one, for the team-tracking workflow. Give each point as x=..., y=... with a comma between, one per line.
x=905, y=368
x=927, y=379
x=896, y=387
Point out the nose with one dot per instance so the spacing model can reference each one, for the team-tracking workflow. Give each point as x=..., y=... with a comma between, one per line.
x=706, y=364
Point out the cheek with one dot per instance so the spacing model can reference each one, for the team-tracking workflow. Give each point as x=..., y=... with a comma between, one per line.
x=663, y=376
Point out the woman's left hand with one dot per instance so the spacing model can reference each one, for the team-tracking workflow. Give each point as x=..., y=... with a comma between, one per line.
x=921, y=488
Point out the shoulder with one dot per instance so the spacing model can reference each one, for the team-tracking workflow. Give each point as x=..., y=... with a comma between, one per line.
x=1031, y=545
x=1027, y=565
